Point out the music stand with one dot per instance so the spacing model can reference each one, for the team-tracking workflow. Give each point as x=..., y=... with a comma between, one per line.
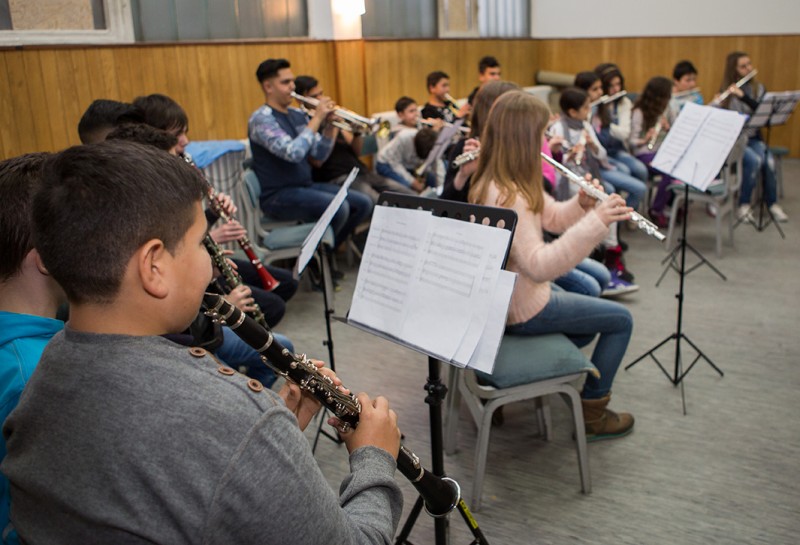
x=773, y=110
x=433, y=386
x=693, y=152
x=313, y=245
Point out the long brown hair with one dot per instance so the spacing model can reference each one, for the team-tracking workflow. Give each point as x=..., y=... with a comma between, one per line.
x=486, y=96
x=730, y=75
x=654, y=100
x=607, y=72
x=510, y=146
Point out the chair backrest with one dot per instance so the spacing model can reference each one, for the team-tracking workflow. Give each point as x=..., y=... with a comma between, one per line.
x=252, y=186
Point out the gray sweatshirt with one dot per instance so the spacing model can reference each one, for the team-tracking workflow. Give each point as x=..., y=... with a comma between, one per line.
x=121, y=439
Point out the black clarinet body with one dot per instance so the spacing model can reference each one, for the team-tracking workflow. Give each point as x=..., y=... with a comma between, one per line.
x=440, y=494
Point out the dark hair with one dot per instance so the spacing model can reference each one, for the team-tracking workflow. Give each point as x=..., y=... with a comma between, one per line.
x=144, y=134
x=572, y=98
x=424, y=141
x=101, y=116
x=654, y=100
x=303, y=84
x=731, y=75
x=435, y=77
x=20, y=177
x=584, y=80
x=403, y=103
x=683, y=68
x=161, y=112
x=487, y=62
x=484, y=99
x=270, y=68
x=99, y=203
x=607, y=72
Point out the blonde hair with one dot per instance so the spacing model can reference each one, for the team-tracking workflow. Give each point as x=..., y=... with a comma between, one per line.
x=510, y=146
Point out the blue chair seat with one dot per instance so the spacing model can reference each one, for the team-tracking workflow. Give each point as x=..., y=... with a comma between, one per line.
x=527, y=359
x=293, y=237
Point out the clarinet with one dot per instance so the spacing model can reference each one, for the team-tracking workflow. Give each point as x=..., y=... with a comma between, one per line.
x=441, y=494
x=267, y=280
x=232, y=278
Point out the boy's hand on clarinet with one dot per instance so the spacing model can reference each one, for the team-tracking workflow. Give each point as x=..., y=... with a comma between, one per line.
x=227, y=203
x=613, y=209
x=377, y=426
x=302, y=404
x=242, y=298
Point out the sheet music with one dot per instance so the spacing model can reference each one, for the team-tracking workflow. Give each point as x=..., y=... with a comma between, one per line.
x=430, y=282
x=698, y=143
x=775, y=108
x=489, y=343
x=315, y=235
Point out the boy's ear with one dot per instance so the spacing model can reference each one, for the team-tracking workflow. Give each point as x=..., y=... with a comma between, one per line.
x=37, y=260
x=153, y=263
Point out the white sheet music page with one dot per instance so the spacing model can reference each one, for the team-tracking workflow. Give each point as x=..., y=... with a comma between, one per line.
x=388, y=266
x=315, y=235
x=698, y=143
x=489, y=343
x=454, y=286
x=430, y=282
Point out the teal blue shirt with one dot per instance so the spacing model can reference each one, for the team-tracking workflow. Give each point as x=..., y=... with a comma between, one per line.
x=22, y=340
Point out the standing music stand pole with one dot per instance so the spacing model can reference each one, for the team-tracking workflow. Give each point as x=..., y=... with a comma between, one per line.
x=678, y=373
x=436, y=390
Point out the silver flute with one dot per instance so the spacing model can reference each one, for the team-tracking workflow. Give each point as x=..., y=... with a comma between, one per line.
x=605, y=99
x=643, y=223
x=653, y=139
x=721, y=98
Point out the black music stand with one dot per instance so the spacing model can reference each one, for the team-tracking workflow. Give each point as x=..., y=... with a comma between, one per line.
x=678, y=373
x=313, y=245
x=773, y=110
x=437, y=391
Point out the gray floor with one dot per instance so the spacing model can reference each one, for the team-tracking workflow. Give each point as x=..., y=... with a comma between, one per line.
x=726, y=472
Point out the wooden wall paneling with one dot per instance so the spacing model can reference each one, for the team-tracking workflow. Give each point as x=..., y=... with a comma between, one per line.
x=38, y=97
x=8, y=130
x=60, y=105
x=351, y=91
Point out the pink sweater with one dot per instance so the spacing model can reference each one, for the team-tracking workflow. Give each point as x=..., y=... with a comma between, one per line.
x=537, y=262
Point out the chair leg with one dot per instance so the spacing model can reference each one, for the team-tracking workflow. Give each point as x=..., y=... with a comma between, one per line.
x=671, y=229
x=718, y=225
x=574, y=400
x=543, y=418
x=453, y=407
x=481, y=451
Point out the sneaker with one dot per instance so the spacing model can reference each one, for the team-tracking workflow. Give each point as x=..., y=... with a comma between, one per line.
x=778, y=213
x=745, y=214
x=618, y=286
x=614, y=262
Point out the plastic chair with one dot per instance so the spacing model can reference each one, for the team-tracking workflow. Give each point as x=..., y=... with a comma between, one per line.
x=525, y=368
x=283, y=240
x=778, y=153
x=724, y=196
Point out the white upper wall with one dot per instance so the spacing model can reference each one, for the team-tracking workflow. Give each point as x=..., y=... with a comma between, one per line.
x=629, y=18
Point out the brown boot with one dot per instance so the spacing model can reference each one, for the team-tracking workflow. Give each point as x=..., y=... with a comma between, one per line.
x=602, y=423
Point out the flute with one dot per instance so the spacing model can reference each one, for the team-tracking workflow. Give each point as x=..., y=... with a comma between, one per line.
x=268, y=281
x=605, y=99
x=462, y=129
x=724, y=95
x=643, y=223
x=441, y=494
x=653, y=139
x=686, y=93
x=450, y=102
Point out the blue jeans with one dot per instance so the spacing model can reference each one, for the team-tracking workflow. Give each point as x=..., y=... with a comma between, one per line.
x=241, y=356
x=580, y=318
x=309, y=203
x=633, y=165
x=622, y=181
x=589, y=277
x=385, y=170
x=752, y=163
